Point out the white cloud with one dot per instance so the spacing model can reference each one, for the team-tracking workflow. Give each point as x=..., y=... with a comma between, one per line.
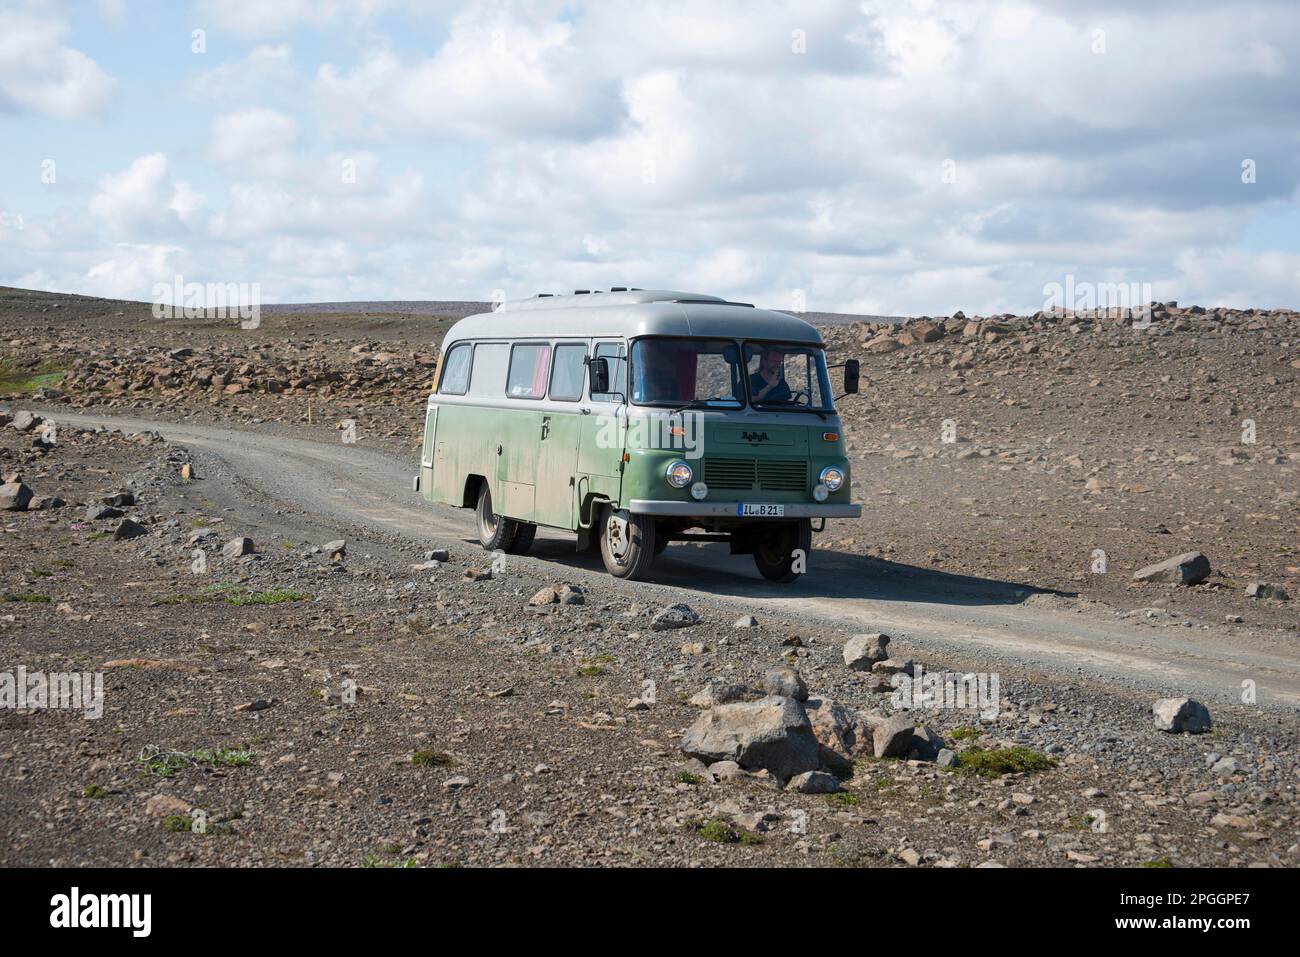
x=39, y=74
x=499, y=75
x=267, y=71
x=257, y=140
x=144, y=200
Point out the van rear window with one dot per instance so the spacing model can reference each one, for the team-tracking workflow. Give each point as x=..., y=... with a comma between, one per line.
x=455, y=372
x=530, y=366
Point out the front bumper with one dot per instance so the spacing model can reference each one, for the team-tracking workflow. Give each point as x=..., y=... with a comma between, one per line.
x=729, y=509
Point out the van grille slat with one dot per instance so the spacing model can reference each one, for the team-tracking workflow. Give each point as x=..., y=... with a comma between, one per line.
x=772, y=475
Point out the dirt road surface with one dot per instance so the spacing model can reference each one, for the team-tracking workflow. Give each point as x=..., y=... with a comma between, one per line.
x=964, y=617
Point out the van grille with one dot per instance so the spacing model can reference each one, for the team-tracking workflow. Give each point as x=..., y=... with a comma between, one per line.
x=729, y=473
x=772, y=475
x=778, y=476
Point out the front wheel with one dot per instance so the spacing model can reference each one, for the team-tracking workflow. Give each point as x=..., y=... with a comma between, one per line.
x=627, y=543
x=782, y=554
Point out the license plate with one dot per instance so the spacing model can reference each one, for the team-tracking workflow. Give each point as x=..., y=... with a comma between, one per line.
x=750, y=510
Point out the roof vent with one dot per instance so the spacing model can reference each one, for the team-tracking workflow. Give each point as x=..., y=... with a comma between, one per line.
x=581, y=292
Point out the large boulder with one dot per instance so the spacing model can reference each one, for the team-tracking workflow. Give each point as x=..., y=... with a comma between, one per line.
x=1178, y=715
x=892, y=738
x=863, y=651
x=772, y=733
x=841, y=732
x=1190, y=568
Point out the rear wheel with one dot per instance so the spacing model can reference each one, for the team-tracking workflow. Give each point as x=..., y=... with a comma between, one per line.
x=627, y=543
x=524, y=534
x=496, y=532
x=782, y=554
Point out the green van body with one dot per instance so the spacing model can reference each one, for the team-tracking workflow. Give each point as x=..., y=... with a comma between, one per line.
x=556, y=462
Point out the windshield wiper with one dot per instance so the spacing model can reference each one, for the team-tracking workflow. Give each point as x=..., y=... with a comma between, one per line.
x=702, y=404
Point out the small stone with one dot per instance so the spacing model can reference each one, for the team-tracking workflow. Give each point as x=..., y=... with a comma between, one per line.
x=14, y=497
x=786, y=683
x=477, y=575
x=237, y=548
x=456, y=783
x=861, y=652
x=1264, y=590
x=95, y=513
x=165, y=805
x=258, y=704
x=1190, y=568
x=1181, y=715
x=337, y=550
x=814, y=782
x=128, y=529
x=745, y=621
x=674, y=616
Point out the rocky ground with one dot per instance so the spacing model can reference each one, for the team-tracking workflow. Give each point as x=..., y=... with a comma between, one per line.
x=376, y=704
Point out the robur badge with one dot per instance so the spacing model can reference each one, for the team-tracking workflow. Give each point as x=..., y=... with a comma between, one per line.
x=754, y=436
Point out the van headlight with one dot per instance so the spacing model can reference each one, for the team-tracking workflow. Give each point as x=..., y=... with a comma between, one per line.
x=679, y=474
x=832, y=478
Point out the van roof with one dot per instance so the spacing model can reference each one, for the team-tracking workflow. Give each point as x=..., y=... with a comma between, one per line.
x=632, y=312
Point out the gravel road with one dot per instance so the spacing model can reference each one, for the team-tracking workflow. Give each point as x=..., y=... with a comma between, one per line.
x=996, y=623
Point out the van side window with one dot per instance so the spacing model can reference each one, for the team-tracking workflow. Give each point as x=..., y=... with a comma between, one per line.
x=488, y=377
x=570, y=367
x=616, y=353
x=529, y=365
x=455, y=370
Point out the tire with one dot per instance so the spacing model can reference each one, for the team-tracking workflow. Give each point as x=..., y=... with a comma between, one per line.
x=628, y=556
x=495, y=532
x=774, y=553
x=661, y=543
x=525, y=532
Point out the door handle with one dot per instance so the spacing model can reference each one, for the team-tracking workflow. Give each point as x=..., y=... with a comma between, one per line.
x=546, y=426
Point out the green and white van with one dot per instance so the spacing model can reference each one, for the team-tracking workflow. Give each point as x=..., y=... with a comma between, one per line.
x=636, y=418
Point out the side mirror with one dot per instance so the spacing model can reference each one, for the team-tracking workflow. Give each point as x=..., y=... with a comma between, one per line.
x=598, y=372
x=851, y=377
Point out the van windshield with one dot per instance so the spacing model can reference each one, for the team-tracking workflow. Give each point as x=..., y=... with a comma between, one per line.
x=786, y=377
x=677, y=372
x=723, y=374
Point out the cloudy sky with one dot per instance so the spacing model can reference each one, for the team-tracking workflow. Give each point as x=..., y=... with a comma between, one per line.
x=882, y=157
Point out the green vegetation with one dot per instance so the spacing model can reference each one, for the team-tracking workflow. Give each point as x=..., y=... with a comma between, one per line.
x=966, y=733
x=994, y=762
x=685, y=777
x=232, y=595
x=178, y=822
x=267, y=597
x=1157, y=862
x=844, y=799
x=16, y=377
x=167, y=763
x=432, y=759
x=719, y=831
x=95, y=791
x=27, y=596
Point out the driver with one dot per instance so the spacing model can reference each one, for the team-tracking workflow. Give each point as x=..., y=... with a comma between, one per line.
x=768, y=383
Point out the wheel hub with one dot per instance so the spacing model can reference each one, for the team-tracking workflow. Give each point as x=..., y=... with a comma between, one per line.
x=616, y=534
